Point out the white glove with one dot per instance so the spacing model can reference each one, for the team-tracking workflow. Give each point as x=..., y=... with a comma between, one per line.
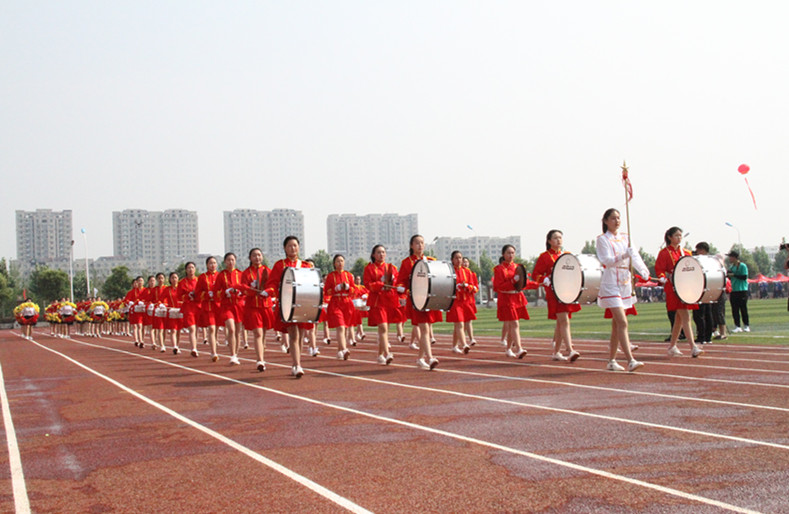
x=516, y=277
x=547, y=282
x=364, y=296
x=339, y=287
x=254, y=283
x=662, y=280
x=632, y=252
x=460, y=285
x=263, y=294
x=400, y=289
x=229, y=291
x=210, y=294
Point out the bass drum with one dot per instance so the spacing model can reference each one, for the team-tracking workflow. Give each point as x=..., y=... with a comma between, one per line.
x=432, y=285
x=699, y=279
x=576, y=278
x=300, y=295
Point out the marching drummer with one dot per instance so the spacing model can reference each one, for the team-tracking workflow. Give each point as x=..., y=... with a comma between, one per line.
x=616, y=294
x=462, y=310
x=190, y=309
x=561, y=312
x=423, y=320
x=378, y=278
x=338, y=291
x=511, y=304
x=227, y=288
x=467, y=325
x=294, y=332
x=664, y=267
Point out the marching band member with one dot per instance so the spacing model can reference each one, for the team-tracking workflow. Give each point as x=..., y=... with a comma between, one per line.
x=227, y=288
x=209, y=305
x=258, y=316
x=26, y=314
x=558, y=311
x=468, y=326
x=664, y=268
x=294, y=331
x=511, y=304
x=149, y=307
x=422, y=320
x=360, y=292
x=136, y=309
x=190, y=309
x=174, y=321
x=67, y=312
x=338, y=290
x=156, y=298
x=462, y=310
x=98, y=313
x=616, y=295
x=379, y=277
x=51, y=316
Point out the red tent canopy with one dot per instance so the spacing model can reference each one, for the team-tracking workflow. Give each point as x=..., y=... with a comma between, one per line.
x=759, y=278
x=648, y=283
x=779, y=278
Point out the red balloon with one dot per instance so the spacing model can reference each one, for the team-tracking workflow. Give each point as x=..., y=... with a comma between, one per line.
x=743, y=169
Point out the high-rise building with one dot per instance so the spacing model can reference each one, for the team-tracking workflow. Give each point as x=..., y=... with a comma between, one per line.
x=160, y=239
x=354, y=236
x=473, y=247
x=43, y=236
x=248, y=228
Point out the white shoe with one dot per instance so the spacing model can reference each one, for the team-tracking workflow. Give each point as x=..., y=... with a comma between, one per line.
x=558, y=357
x=613, y=366
x=521, y=353
x=311, y=352
x=343, y=355
x=634, y=365
x=382, y=360
x=473, y=342
x=716, y=334
x=389, y=359
x=466, y=349
x=414, y=346
x=456, y=349
x=746, y=328
x=326, y=341
x=246, y=346
x=163, y=349
x=573, y=356
x=234, y=361
x=421, y=364
x=195, y=353
x=284, y=348
x=503, y=342
x=261, y=366
x=674, y=352
x=296, y=371
x=510, y=353
x=315, y=352
x=696, y=351
x=433, y=363
x=737, y=330
x=214, y=358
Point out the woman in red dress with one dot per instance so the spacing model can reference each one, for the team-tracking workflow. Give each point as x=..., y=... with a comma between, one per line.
x=174, y=321
x=420, y=319
x=561, y=312
x=190, y=310
x=468, y=325
x=227, y=288
x=338, y=291
x=159, y=312
x=258, y=316
x=209, y=306
x=135, y=299
x=511, y=304
x=379, y=277
x=462, y=310
x=664, y=268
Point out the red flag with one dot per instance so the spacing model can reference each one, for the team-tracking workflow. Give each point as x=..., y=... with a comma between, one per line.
x=627, y=184
x=24, y=294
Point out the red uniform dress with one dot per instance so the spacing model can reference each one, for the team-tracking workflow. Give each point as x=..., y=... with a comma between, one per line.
x=340, y=311
x=230, y=304
x=404, y=280
x=382, y=301
x=273, y=285
x=543, y=268
x=664, y=266
x=257, y=309
x=172, y=300
x=157, y=299
x=511, y=304
x=190, y=308
x=463, y=308
x=359, y=314
x=204, y=294
x=147, y=317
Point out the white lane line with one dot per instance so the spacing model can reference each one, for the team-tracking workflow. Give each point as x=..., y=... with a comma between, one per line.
x=306, y=482
x=21, y=501
x=452, y=435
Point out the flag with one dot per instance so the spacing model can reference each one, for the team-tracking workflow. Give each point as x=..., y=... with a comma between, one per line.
x=24, y=294
x=627, y=184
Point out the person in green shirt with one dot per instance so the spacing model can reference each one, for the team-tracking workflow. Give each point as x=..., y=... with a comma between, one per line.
x=738, y=273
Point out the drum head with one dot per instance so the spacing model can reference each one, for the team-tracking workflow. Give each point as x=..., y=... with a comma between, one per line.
x=714, y=278
x=286, y=295
x=567, y=278
x=520, y=270
x=688, y=279
x=420, y=285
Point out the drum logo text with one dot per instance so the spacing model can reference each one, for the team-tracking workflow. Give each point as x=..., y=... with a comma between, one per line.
x=568, y=267
x=688, y=268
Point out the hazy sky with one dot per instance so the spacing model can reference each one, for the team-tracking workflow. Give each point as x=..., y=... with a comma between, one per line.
x=511, y=117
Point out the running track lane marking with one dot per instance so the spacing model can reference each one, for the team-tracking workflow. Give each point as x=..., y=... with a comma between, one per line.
x=21, y=501
x=313, y=486
x=471, y=440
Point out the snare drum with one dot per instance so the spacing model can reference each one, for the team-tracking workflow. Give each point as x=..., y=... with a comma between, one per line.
x=175, y=313
x=360, y=304
x=576, y=278
x=300, y=295
x=699, y=279
x=520, y=270
x=432, y=285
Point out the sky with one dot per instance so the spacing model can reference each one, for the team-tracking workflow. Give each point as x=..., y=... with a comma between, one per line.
x=513, y=117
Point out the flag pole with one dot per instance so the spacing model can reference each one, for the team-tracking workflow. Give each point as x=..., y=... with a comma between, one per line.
x=628, y=195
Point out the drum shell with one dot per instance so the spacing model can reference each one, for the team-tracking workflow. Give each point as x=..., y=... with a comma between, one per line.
x=698, y=279
x=300, y=295
x=520, y=270
x=433, y=285
x=576, y=278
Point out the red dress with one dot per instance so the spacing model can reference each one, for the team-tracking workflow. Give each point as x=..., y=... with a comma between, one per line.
x=664, y=267
x=543, y=268
x=204, y=294
x=404, y=280
x=257, y=309
x=272, y=288
x=340, y=310
x=463, y=308
x=173, y=301
x=132, y=299
x=230, y=304
x=383, y=301
x=511, y=304
x=156, y=298
x=190, y=309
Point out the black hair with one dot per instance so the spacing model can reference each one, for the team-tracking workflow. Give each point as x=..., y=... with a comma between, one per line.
x=228, y=254
x=411, y=243
x=372, y=252
x=670, y=232
x=452, y=257
x=703, y=246
x=208, y=259
x=334, y=259
x=290, y=238
x=549, y=236
x=504, y=249
x=252, y=250
x=160, y=273
x=606, y=215
x=188, y=263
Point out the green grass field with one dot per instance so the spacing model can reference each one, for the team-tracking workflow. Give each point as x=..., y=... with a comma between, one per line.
x=769, y=323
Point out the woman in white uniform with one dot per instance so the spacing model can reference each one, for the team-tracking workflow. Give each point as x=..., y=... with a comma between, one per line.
x=616, y=295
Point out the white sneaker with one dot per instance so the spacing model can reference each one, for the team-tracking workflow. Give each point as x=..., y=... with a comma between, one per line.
x=574, y=356
x=503, y=342
x=195, y=353
x=261, y=366
x=382, y=360
x=746, y=328
x=510, y=353
x=176, y=350
x=284, y=348
x=326, y=341
x=716, y=334
x=296, y=371
x=389, y=359
x=214, y=358
x=246, y=346
x=315, y=352
x=674, y=352
x=433, y=363
x=634, y=365
x=473, y=342
x=466, y=349
x=163, y=349
x=736, y=330
x=521, y=353
x=696, y=351
x=558, y=357
x=234, y=360
x=421, y=364
x=343, y=355
x=311, y=352
x=613, y=366
x=456, y=349
x=414, y=346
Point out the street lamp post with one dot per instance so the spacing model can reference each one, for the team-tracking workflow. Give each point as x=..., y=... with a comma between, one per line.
x=739, y=239
x=87, y=270
x=71, y=272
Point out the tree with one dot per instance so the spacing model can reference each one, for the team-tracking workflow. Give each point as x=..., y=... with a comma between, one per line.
x=763, y=261
x=747, y=258
x=649, y=260
x=358, y=267
x=323, y=262
x=117, y=284
x=589, y=248
x=780, y=263
x=48, y=284
x=486, y=266
x=180, y=269
x=7, y=295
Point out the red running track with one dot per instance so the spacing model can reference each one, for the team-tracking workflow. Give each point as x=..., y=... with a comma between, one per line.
x=104, y=426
